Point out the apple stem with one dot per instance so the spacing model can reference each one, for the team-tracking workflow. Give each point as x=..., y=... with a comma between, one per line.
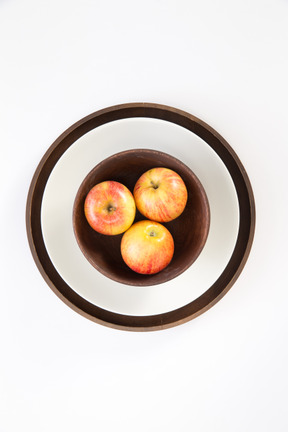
x=152, y=234
x=154, y=185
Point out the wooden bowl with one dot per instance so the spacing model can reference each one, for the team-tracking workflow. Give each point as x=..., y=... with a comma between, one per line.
x=189, y=230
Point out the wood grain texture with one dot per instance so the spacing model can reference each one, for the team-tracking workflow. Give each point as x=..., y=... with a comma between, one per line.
x=189, y=230
x=220, y=286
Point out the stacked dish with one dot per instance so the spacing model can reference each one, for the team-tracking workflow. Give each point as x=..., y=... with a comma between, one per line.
x=162, y=136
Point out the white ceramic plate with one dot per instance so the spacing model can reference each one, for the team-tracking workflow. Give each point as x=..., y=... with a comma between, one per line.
x=68, y=174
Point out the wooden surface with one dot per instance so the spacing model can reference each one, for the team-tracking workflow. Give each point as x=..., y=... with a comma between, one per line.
x=189, y=230
x=220, y=286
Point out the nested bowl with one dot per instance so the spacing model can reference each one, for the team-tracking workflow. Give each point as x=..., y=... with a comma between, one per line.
x=189, y=230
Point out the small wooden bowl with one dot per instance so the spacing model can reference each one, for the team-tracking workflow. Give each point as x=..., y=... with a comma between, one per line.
x=189, y=230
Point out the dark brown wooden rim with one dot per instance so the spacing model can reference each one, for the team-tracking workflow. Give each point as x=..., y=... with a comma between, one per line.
x=220, y=286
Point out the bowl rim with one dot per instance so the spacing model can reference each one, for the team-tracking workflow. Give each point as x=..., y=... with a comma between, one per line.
x=220, y=287
x=204, y=200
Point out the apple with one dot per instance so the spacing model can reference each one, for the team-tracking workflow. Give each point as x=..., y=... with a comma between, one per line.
x=147, y=247
x=110, y=208
x=160, y=194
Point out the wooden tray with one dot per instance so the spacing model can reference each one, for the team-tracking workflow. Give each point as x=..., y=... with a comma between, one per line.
x=159, y=320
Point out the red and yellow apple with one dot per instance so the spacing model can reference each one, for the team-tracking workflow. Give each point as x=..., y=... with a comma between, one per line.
x=110, y=208
x=147, y=247
x=160, y=194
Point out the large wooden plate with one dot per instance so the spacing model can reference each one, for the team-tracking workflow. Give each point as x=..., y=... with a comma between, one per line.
x=126, y=321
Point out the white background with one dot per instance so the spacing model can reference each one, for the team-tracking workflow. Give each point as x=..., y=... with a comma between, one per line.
x=223, y=61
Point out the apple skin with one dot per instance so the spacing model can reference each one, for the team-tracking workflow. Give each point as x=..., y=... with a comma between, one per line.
x=160, y=194
x=110, y=208
x=147, y=247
